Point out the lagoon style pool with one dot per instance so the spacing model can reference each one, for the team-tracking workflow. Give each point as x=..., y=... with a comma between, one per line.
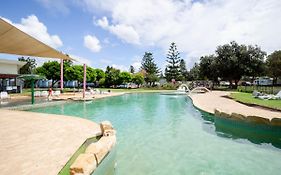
x=165, y=135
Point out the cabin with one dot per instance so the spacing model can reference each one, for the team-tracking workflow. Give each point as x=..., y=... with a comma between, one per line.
x=263, y=81
x=9, y=71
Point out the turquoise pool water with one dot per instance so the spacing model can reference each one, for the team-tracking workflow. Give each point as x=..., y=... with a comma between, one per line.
x=165, y=135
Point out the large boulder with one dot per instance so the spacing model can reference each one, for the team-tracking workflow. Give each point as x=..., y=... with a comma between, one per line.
x=85, y=164
x=107, y=128
x=101, y=147
x=238, y=117
x=258, y=120
x=276, y=122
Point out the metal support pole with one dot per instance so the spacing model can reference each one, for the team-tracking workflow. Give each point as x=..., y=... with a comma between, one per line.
x=32, y=91
x=84, y=81
x=61, y=75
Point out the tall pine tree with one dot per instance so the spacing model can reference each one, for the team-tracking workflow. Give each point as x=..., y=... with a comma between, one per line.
x=172, y=70
x=150, y=68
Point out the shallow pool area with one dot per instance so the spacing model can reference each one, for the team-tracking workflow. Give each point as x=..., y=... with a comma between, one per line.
x=165, y=134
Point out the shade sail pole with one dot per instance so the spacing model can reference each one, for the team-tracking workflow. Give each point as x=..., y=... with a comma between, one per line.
x=61, y=75
x=84, y=81
x=32, y=91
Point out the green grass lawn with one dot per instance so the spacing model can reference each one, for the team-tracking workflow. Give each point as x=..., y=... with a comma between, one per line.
x=249, y=99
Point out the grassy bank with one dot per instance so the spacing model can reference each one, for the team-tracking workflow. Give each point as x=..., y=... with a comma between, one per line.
x=247, y=98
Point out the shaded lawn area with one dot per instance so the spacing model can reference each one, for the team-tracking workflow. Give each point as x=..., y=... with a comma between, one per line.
x=249, y=99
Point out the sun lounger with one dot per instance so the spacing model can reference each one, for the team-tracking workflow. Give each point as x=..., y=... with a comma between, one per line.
x=4, y=95
x=269, y=97
x=265, y=97
x=87, y=93
x=56, y=93
x=44, y=94
x=278, y=95
x=37, y=94
x=256, y=94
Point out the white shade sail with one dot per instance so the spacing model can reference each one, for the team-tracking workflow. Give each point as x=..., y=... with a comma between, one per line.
x=15, y=41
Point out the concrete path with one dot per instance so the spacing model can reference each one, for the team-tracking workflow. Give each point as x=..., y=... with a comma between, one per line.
x=213, y=100
x=34, y=143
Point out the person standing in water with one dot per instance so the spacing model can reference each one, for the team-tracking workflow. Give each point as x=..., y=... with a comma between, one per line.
x=50, y=92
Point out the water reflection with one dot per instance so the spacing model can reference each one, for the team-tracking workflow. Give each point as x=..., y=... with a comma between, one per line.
x=108, y=165
x=255, y=133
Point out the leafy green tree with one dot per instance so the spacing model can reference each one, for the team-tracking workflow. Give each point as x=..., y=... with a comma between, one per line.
x=234, y=60
x=100, y=74
x=208, y=68
x=125, y=77
x=254, y=62
x=273, y=63
x=149, y=68
x=112, y=76
x=66, y=65
x=100, y=78
x=29, y=67
x=91, y=74
x=101, y=82
x=172, y=70
x=183, y=70
x=194, y=73
x=75, y=73
x=132, y=69
x=138, y=78
x=51, y=70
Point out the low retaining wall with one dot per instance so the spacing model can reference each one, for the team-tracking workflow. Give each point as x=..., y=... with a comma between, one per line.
x=223, y=108
x=249, y=119
x=87, y=162
x=34, y=106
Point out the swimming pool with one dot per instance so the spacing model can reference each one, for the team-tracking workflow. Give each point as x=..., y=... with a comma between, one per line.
x=160, y=134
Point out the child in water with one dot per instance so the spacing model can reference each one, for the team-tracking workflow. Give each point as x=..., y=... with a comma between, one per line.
x=50, y=93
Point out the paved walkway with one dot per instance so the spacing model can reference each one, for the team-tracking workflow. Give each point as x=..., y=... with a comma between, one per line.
x=20, y=100
x=213, y=100
x=34, y=143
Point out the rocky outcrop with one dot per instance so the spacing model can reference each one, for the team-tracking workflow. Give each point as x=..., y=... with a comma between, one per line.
x=276, y=122
x=84, y=164
x=87, y=162
x=107, y=128
x=250, y=119
x=102, y=147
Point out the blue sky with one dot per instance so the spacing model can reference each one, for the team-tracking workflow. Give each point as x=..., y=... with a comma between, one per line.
x=118, y=32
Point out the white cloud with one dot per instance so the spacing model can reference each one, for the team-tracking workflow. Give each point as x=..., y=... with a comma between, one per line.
x=136, y=62
x=81, y=60
x=136, y=65
x=124, y=32
x=120, y=67
x=196, y=26
x=32, y=26
x=92, y=43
